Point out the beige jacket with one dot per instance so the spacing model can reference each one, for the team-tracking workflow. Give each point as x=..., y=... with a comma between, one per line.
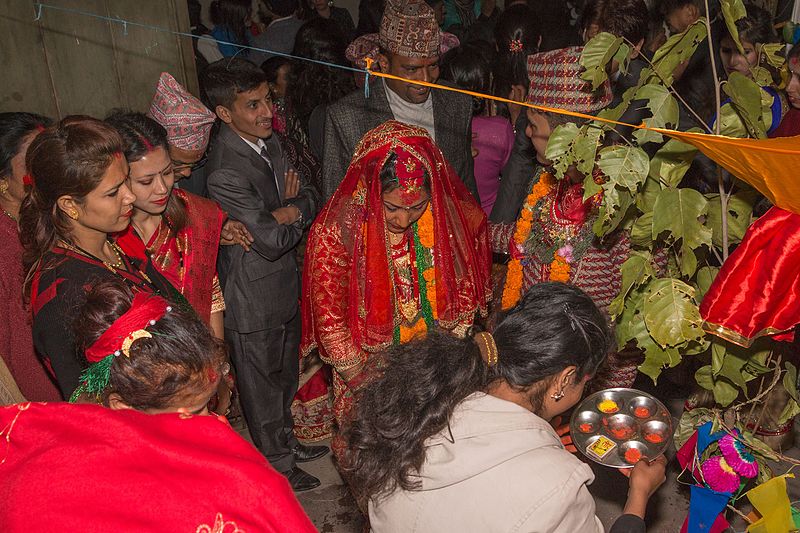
x=503, y=469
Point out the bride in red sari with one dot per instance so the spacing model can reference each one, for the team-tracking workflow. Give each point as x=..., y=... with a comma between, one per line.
x=400, y=247
x=180, y=231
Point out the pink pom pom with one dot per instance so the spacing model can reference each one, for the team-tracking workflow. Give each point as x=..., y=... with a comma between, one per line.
x=719, y=476
x=737, y=456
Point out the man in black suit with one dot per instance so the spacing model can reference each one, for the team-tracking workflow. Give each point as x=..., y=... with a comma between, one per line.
x=409, y=39
x=251, y=179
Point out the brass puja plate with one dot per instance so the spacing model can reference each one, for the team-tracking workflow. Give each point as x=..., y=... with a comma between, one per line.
x=616, y=427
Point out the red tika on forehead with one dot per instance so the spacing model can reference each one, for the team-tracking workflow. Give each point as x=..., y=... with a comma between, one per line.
x=147, y=146
x=117, y=155
x=410, y=175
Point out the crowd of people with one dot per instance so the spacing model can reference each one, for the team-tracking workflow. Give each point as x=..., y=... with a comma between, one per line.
x=407, y=250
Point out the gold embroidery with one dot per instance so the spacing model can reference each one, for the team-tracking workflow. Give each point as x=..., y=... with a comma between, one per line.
x=6, y=432
x=220, y=526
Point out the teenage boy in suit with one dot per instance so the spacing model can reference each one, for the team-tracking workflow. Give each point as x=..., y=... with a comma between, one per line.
x=249, y=176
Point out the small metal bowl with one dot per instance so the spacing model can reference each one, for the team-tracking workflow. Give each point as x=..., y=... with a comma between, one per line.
x=655, y=432
x=606, y=396
x=621, y=427
x=642, y=407
x=631, y=445
x=587, y=421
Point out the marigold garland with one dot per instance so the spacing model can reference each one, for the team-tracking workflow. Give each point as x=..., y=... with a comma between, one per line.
x=513, y=286
x=423, y=242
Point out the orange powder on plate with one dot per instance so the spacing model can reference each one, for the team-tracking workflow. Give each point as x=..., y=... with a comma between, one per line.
x=632, y=455
x=585, y=428
x=621, y=433
x=642, y=412
x=655, y=438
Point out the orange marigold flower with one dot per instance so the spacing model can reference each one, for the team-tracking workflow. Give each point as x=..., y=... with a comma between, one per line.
x=425, y=228
x=559, y=269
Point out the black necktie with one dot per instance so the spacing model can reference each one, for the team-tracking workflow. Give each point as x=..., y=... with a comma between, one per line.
x=265, y=157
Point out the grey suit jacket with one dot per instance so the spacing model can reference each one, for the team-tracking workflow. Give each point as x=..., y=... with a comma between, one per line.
x=261, y=287
x=351, y=117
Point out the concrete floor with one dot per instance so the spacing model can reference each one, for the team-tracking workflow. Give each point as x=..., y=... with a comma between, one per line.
x=333, y=510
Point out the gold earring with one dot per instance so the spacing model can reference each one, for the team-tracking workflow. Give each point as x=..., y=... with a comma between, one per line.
x=3, y=186
x=557, y=395
x=73, y=215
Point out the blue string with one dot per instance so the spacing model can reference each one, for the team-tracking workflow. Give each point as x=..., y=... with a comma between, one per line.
x=125, y=24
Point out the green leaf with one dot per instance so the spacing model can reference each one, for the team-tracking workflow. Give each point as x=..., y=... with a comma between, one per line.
x=630, y=325
x=677, y=49
x=739, y=209
x=746, y=98
x=657, y=359
x=642, y=231
x=672, y=161
x=646, y=198
x=790, y=381
x=670, y=313
x=559, y=147
x=758, y=447
x=664, y=110
x=596, y=55
x=636, y=270
x=689, y=422
x=623, y=57
x=585, y=148
x=791, y=410
x=724, y=392
x=733, y=10
x=705, y=377
x=623, y=165
x=688, y=261
x=730, y=123
x=705, y=276
x=773, y=54
x=678, y=212
x=615, y=206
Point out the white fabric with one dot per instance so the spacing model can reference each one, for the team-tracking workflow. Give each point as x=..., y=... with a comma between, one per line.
x=415, y=114
x=504, y=469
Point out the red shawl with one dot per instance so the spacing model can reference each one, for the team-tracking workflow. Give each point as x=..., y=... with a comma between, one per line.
x=82, y=467
x=189, y=259
x=348, y=303
x=757, y=290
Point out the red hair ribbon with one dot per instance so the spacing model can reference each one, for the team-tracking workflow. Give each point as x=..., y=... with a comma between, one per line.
x=145, y=311
x=410, y=174
x=27, y=180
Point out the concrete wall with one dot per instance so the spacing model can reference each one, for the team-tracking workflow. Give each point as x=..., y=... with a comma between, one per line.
x=67, y=63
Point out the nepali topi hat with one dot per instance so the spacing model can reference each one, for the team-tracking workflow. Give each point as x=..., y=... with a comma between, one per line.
x=555, y=81
x=409, y=28
x=187, y=121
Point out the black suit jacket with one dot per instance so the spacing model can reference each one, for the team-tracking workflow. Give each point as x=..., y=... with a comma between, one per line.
x=351, y=117
x=261, y=287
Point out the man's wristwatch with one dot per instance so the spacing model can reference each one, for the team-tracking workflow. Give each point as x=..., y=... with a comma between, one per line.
x=299, y=220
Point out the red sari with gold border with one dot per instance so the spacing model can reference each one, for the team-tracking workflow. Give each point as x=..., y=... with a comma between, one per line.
x=187, y=259
x=350, y=307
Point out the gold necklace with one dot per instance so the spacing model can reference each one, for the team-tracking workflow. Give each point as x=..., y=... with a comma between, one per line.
x=113, y=267
x=12, y=217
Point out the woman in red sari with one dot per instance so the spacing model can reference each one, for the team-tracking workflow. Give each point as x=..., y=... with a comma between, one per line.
x=180, y=231
x=400, y=247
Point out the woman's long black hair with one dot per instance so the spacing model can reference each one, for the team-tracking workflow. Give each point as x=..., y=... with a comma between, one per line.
x=553, y=327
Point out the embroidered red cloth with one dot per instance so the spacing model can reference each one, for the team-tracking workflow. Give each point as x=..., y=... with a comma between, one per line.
x=348, y=303
x=68, y=467
x=189, y=259
x=757, y=290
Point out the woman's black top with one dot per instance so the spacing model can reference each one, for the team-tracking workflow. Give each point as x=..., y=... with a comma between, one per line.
x=57, y=295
